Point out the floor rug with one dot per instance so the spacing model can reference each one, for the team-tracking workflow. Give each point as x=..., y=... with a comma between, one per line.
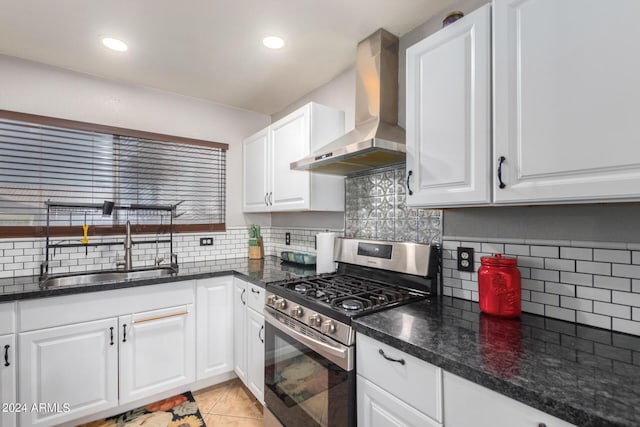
x=177, y=411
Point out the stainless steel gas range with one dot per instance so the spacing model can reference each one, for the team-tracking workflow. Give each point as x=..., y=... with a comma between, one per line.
x=309, y=340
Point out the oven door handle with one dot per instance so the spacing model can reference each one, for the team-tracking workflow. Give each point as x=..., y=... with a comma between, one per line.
x=341, y=355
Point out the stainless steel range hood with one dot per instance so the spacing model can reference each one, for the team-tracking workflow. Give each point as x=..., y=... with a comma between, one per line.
x=377, y=140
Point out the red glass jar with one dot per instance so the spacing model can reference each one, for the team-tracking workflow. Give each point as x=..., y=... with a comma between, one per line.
x=499, y=286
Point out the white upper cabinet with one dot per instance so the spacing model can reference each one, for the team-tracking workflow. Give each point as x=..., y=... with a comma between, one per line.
x=256, y=180
x=566, y=98
x=448, y=115
x=269, y=183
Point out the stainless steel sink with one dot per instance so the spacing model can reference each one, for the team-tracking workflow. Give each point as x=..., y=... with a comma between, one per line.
x=107, y=277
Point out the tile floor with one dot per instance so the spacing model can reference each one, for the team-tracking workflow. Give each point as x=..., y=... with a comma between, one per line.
x=229, y=404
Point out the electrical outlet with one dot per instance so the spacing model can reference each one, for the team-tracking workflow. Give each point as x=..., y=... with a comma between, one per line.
x=206, y=241
x=287, y=238
x=465, y=259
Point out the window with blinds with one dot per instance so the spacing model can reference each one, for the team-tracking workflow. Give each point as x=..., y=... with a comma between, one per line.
x=40, y=162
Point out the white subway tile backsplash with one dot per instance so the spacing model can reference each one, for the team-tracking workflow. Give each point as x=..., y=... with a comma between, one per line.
x=590, y=267
x=615, y=283
x=627, y=326
x=545, y=251
x=593, y=294
x=610, y=255
x=532, y=262
x=635, y=257
x=576, y=278
x=532, y=307
x=547, y=275
x=635, y=313
x=544, y=298
x=493, y=248
x=461, y=293
x=585, y=254
x=532, y=285
x=560, y=289
x=623, y=270
x=560, y=264
x=516, y=250
x=626, y=298
x=560, y=313
x=613, y=310
x=597, y=320
x=576, y=303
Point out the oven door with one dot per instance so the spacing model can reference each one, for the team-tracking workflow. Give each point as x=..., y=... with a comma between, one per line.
x=309, y=378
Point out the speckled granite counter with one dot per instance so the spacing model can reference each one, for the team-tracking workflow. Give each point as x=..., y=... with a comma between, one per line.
x=259, y=272
x=587, y=376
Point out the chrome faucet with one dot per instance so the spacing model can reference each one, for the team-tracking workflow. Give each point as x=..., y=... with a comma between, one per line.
x=127, y=263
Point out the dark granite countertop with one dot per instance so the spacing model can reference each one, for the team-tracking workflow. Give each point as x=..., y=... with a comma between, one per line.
x=269, y=269
x=587, y=376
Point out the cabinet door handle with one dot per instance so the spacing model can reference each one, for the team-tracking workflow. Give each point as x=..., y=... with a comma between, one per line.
x=111, y=328
x=242, y=299
x=391, y=359
x=501, y=160
x=408, y=187
x=6, y=355
x=271, y=198
x=164, y=316
x=124, y=333
x=254, y=291
x=542, y=425
x=260, y=334
x=265, y=199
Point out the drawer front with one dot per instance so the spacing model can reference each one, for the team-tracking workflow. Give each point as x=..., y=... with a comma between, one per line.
x=255, y=297
x=414, y=382
x=7, y=318
x=376, y=407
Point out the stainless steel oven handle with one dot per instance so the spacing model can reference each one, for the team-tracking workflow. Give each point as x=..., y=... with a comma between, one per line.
x=341, y=355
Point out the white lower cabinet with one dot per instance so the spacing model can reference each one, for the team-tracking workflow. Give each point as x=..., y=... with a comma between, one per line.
x=8, y=379
x=395, y=388
x=469, y=404
x=249, y=336
x=156, y=351
x=75, y=365
x=255, y=353
x=214, y=326
x=378, y=408
x=240, y=328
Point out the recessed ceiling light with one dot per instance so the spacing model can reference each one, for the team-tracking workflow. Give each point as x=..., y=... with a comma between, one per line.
x=114, y=44
x=273, y=42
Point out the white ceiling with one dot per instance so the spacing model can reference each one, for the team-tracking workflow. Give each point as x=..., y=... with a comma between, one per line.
x=209, y=49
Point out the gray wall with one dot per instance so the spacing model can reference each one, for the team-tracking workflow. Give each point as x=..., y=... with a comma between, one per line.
x=612, y=222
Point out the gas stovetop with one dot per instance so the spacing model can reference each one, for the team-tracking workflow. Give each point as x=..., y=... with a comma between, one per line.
x=348, y=294
x=372, y=276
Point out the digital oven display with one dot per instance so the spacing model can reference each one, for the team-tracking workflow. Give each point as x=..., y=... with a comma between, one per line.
x=375, y=250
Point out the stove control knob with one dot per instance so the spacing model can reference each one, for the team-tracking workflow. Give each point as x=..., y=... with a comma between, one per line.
x=328, y=327
x=271, y=300
x=296, y=311
x=315, y=320
x=281, y=304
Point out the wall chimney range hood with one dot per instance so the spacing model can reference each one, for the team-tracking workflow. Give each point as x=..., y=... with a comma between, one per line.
x=377, y=140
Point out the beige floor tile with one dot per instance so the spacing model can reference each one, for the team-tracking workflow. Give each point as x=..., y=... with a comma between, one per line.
x=226, y=421
x=208, y=397
x=237, y=402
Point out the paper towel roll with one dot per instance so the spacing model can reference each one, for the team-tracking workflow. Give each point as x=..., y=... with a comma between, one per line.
x=324, y=253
